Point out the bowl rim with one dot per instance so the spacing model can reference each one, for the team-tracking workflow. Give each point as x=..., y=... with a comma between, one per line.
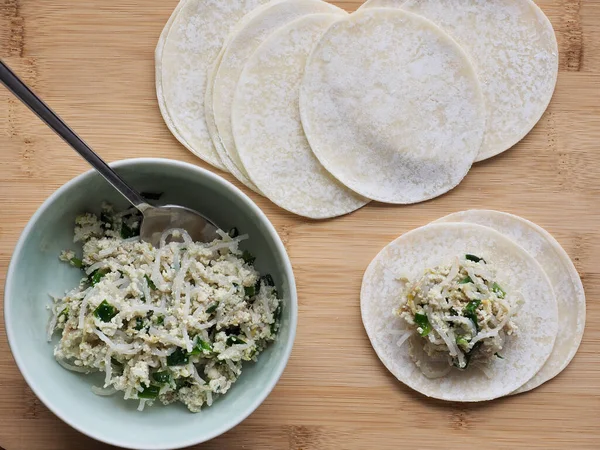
x=177, y=443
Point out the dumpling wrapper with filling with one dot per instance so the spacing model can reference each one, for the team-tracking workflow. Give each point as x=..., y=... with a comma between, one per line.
x=524, y=354
x=560, y=271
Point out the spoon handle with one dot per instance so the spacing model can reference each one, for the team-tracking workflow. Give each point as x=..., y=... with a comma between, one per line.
x=14, y=84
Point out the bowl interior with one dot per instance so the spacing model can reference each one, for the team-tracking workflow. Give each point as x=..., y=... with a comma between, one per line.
x=35, y=273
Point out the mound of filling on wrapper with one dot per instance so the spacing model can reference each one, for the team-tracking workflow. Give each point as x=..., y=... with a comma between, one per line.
x=173, y=323
x=460, y=311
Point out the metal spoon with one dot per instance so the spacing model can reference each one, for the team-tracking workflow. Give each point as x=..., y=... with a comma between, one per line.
x=155, y=219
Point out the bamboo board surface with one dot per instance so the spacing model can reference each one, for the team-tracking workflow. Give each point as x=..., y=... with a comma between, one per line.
x=93, y=62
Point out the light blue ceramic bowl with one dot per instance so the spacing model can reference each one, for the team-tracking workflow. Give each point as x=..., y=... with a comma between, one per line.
x=35, y=272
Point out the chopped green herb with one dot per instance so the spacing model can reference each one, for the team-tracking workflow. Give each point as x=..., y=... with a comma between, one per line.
x=97, y=275
x=248, y=257
x=471, y=352
x=143, y=299
x=139, y=323
x=233, y=232
x=249, y=291
x=178, y=358
x=268, y=280
x=231, y=340
x=469, y=312
x=105, y=311
x=211, y=309
x=498, y=355
x=465, y=280
x=453, y=312
x=472, y=306
x=498, y=290
x=423, y=322
x=162, y=377
x=151, y=284
x=149, y=392
x=276, y=318
x=159, y=319
x=129, y=232
x=64, y=312
x=201, y=347
x=474, y=258
x=460, y=340
x=151, y=195
x=76, y=262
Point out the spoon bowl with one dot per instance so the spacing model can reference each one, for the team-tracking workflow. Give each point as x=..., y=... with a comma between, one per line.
x=156, y=220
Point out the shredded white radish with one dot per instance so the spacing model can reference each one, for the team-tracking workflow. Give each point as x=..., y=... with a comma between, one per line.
x=156, y=276
x=452, y=347
x=157, y=352
x=186, y=339
x=165, y=337
x=477, y=281
x=176, y=264
x=104, y=392
x=231, y=366
x=452, y=274
x=207, y=325
x=175, y=232
x=142, y=309
x=142, y=404
x=107, y=369
x=232, y=244
x=209, y=398
x=95, y=266
x=146, y=290
x=52, y=324
x=195, y=376
x=492, y=333
x=120, y=348
x=83, y=307
x=73, y=368
x=400, y=342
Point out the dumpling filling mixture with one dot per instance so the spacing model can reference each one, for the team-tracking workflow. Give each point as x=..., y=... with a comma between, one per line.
x=462, y=314
x=172, y=323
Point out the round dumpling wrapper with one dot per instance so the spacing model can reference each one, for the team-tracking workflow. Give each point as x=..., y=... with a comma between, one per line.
x=435, y=244
x=560, y=271
x=514, y=50
x=268, y=132
x=244, y=41
x=187, y=48
x=391, y=106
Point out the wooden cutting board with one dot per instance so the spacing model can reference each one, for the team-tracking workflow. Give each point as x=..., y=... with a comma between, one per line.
x=93, y=62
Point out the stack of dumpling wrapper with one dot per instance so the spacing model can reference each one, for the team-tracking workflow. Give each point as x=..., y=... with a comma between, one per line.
x=323, y=111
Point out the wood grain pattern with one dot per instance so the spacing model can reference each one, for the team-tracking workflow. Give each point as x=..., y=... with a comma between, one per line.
x=93, y=62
